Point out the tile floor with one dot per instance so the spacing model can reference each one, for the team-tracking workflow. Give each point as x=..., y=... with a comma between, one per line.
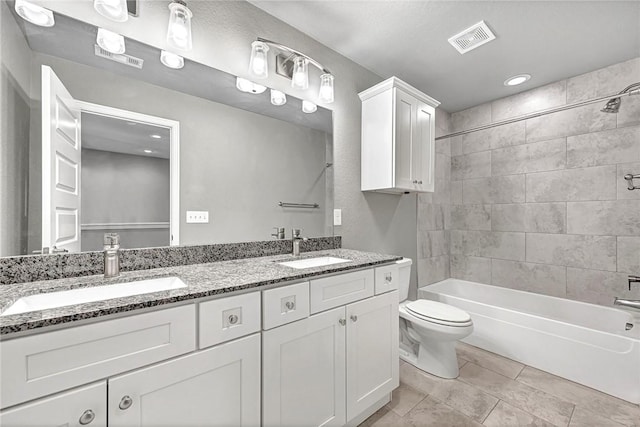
x=495, y=391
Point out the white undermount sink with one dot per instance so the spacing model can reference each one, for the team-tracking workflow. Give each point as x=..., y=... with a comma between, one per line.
x=314, y=262
x=92, y=294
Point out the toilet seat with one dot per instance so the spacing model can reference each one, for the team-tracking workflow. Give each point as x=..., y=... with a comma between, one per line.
x=438, y=313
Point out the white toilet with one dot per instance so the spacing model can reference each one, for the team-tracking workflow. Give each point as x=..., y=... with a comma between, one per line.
x=429, y=330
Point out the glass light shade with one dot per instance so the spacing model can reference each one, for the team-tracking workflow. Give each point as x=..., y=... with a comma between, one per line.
x=300, y=77
x=278, y=98
x=179, y=31
x=110, y=41
x=116, y=10
x=171, y=60
x=35, y=14
x=258, y=65
x=309, y=107
x=326, y=89
x=248, y=86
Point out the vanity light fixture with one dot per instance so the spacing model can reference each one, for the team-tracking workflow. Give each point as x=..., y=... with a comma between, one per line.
x=308, y=107
x=278, y=98
x=110, y=41
x=517, y=80
x=292, y=64
x=171, y=60
x=148, y=151
x=179, y=31
x=116, y=10
x=248, y=86
x=155, y=136
x=35, y=14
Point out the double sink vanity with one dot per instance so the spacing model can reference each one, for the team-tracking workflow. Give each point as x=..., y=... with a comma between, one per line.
x=276, y=340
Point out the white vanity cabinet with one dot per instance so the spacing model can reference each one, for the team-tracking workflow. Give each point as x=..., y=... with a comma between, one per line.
x=329, y=368
x=398, y=138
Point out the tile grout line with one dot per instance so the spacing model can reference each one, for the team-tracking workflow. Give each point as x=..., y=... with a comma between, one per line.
x=491, y=411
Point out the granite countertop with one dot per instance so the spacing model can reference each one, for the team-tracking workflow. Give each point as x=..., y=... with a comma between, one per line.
x=203, y=280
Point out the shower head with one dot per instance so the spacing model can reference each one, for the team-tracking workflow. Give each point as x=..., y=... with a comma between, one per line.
x=613, y=105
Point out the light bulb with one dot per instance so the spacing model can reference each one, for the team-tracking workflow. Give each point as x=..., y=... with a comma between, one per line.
x=35, y=14
x=278, y=98
x=248, y=86
x=110, y=41
x=326, y=88
x=309, y=107
x=300, y=77
x=258, y=64
x=171, y=60
x=116, y=10
x=179, y=31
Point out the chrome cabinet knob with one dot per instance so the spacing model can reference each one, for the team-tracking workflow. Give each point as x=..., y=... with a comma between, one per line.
x=388, y=278
x=342, y=322
x=233, y=319
x=415, y=181
x=420, y=182
x=354, y=318
x=125, y=403
x=290, y=305
x=86, y=417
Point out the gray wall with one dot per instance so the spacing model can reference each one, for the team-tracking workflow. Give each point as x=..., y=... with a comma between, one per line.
x=222, y=34
x=15, y=59
x=123, y=188
x=541, y=205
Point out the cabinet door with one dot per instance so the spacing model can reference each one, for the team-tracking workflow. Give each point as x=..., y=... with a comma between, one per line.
x=215, y=387
x=82, y=406
x=372, y=351
x=405, y=125
x=304, y=372
x=424, y=148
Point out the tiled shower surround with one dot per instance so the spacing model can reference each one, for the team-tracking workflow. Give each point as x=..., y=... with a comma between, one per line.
x=539, y=205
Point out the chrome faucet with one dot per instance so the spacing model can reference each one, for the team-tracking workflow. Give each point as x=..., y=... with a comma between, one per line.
x=633, y=279
x=296, y=239
x=111, y=255
x=629, y=302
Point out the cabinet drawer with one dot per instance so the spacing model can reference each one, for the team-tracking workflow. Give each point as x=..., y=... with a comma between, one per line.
x=329, y=292
x=387, y=278
x=285, y=305
x=42, y=364
x=229, y=318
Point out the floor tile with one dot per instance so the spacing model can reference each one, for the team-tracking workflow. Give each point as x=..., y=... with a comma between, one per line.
x=384, y=417
x=464, y=398
x=461, y=362
x=491, y=361
x=431, y=412
x=414, y=377
x=522, y=396
x=586, y=418
x=404, y=398
x=505, y=415
x=600, y=403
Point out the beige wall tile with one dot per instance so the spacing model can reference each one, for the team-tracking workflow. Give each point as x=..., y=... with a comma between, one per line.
x=598, y=287
x=432, y=270
x=629, y=255
x=456, y=192
x=430, y=216
x=597, y=252
x=470, y=217
x=629, y=114
x=471, y=268
x=551, y=95
x=604, y=148
x=539, y=156
x=472, y=117
x=603, y=82
x=508, y=217
x=597, y=183
x=546, y=217
x=488, y=244
x=497, y=189
x=433, y=243
x=475, y=165
x=575, y=121
x=617, y=218
x=540, y=278
x=623, y=190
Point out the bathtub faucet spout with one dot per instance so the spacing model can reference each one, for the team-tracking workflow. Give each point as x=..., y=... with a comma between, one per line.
x=633, y=279
x=627, y=303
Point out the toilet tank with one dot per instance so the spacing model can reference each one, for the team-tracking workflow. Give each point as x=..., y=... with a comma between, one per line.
x=404, y=266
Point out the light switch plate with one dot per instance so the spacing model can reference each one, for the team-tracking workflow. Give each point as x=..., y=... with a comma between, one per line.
x=337, y=217
x=197, y=217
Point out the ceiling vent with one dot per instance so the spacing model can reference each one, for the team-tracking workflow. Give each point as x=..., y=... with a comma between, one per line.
x=119, y=57
x=472, y=37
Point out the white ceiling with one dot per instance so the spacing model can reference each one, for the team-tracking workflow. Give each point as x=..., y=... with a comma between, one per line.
x=551, y=40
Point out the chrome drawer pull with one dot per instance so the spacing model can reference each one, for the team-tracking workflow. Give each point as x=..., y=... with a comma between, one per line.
x=388, y=278
x=290, y=305
x=354, y=318
x=125, y=403
x=86, y=417
x=342, y=322
x=233, y=319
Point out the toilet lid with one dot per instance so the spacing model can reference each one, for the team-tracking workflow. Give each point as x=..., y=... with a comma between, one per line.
x=438, y=311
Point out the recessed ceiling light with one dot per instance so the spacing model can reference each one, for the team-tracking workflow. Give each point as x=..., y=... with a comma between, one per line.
x=517, y=80
x=171, y=60
x=110, y=41
x=148, y=151
x=35, y=14
x=308, y=107
x=155, y=136
x=248, y=86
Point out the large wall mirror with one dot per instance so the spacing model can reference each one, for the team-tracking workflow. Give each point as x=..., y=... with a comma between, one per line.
x=93, y=144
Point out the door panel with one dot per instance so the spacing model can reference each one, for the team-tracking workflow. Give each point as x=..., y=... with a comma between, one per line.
x=425, y=154
x=405, y=106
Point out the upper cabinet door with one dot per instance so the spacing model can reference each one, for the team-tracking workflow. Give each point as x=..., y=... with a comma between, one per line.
x=424, y=153
x=215, y=387
x=405, y=141
x=60, y=166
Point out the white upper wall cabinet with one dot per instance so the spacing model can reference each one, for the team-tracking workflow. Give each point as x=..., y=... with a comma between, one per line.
x=398, y=131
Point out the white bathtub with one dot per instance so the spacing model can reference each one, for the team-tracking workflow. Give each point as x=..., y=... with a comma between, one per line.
x=582, y=342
